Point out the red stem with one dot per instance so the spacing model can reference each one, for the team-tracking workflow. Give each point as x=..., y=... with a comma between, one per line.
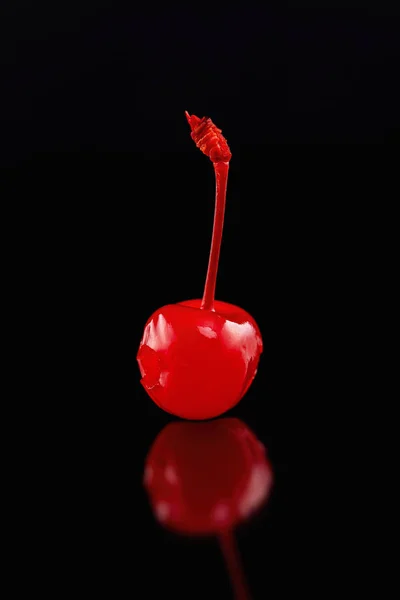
x=234, y=565
x=221, y=180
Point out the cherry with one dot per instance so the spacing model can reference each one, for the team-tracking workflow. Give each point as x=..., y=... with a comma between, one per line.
x=198, y=358
x=205, y=479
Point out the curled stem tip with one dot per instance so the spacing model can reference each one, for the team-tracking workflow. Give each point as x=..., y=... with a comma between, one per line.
x=208, y=138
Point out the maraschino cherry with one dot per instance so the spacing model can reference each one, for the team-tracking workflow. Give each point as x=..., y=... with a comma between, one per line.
x=204, y=479
x=198, y=358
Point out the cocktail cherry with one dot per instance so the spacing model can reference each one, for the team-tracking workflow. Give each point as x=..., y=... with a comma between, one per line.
x=198, y=358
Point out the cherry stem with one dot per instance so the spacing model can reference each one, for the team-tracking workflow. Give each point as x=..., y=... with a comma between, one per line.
x=221, y=180
x=234, y=565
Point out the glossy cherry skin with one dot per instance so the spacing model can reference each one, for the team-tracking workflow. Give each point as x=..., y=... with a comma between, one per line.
x=204, y=478
x=195, y=363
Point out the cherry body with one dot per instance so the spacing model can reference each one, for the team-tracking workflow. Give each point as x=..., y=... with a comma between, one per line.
x=197, y=363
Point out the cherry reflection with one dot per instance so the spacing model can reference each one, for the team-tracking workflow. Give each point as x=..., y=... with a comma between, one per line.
x=205, y=478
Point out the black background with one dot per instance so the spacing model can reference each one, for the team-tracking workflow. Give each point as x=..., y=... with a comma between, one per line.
x=114, y=204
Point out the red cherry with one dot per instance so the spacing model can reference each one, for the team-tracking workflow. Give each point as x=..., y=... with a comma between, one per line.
x=198, y=358
x=197, y=364
x=205, y=479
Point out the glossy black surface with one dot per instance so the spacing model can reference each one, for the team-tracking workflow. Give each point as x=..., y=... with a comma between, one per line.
x=110, y=218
